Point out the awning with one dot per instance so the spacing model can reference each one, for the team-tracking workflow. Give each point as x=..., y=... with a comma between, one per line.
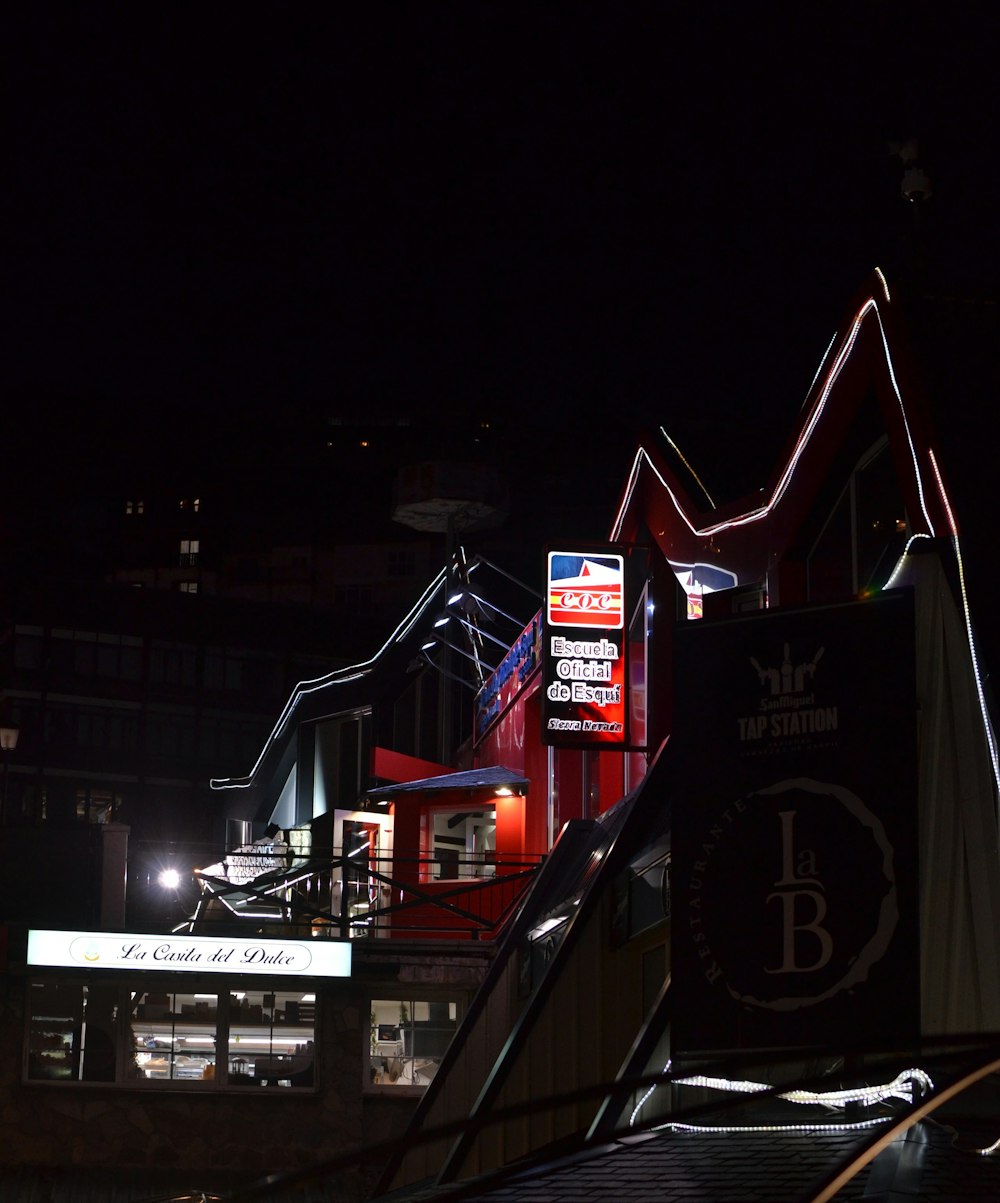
x=492, y=779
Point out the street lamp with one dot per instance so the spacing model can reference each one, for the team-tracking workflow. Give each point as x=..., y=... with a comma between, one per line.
x=8, y=742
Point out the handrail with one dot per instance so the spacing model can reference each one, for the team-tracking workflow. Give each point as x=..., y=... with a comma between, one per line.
x=982, y=1060
x=338, y=876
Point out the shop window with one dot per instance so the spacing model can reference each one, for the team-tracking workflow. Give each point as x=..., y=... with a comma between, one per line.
x=172, y=1037
x=409, y=1038
x=71, y=1034
x=150, y=1038
x=271, y=1038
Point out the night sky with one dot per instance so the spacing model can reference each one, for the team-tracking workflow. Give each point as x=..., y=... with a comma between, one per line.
x=231, y=221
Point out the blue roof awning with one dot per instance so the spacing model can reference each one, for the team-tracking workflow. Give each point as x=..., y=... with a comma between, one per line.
x=493, y=778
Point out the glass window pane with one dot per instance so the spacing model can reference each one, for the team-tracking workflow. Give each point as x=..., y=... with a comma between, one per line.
x=271, y=1038
x=173, y=1037
x=56, y=1013
x=409, y=1038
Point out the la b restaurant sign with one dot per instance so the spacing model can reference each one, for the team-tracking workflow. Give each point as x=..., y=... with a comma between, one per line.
x=583, y=649
x=794, y=857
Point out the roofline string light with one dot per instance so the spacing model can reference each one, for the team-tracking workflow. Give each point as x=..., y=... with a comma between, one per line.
x=755, y=515
x=759, y=512
x=336, y=677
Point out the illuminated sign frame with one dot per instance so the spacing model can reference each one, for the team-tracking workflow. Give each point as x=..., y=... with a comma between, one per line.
x=584, y=689
x=189, y=954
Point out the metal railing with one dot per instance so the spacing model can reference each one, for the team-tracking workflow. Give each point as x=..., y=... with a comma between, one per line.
x=958, y=1064
x=377, y=897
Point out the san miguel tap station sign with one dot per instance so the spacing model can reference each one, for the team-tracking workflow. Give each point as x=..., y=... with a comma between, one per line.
x=583, y=649
x=794, y=857
x=189, y=954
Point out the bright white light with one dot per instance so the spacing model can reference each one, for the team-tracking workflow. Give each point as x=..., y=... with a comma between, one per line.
x=170, y=879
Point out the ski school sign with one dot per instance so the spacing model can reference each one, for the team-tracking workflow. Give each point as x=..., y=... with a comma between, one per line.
x=583, y=649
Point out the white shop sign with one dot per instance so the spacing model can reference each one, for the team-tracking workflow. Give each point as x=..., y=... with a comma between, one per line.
x=195, y=954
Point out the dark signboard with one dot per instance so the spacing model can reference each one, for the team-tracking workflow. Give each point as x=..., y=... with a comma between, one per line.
x=583, y=650
x=506, y=681
x=794, y=875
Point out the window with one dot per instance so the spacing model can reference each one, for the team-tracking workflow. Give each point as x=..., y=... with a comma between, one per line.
x=150, y=1038
x=90, y=653
x=224, y=668
x=170, y=733
x=189, y=550
x=28, y=647
x=409, y=1038
x=97, y=805
x=188, y=586
x=173, y=663
x=402, y=561
x=462, y=842
x=68, y=727
x=355, y=597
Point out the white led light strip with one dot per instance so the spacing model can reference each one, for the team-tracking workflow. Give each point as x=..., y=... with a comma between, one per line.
x=339, y=676
x=901, y=1087
x=754, y=515
x=674, y=1126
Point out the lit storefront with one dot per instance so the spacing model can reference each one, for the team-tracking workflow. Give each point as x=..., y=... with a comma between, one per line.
x=155, y=1012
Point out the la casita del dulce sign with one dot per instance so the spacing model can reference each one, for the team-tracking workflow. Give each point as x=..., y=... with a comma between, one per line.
x=194, y=954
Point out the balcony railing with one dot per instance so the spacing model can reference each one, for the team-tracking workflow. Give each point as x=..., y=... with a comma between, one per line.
x=378, y=897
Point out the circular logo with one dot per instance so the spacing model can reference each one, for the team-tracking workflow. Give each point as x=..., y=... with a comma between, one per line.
x=792, y=895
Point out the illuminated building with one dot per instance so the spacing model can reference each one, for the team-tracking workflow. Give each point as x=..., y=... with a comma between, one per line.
x=771, y=844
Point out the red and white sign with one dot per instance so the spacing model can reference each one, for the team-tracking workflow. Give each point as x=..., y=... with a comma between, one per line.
x=583, y=655
x=586, y=591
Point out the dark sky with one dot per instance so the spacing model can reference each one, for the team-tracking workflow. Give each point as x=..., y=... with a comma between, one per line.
x=244, y=217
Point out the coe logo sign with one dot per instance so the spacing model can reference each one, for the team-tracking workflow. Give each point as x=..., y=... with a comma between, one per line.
x=583, y=649
x=586, y=591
